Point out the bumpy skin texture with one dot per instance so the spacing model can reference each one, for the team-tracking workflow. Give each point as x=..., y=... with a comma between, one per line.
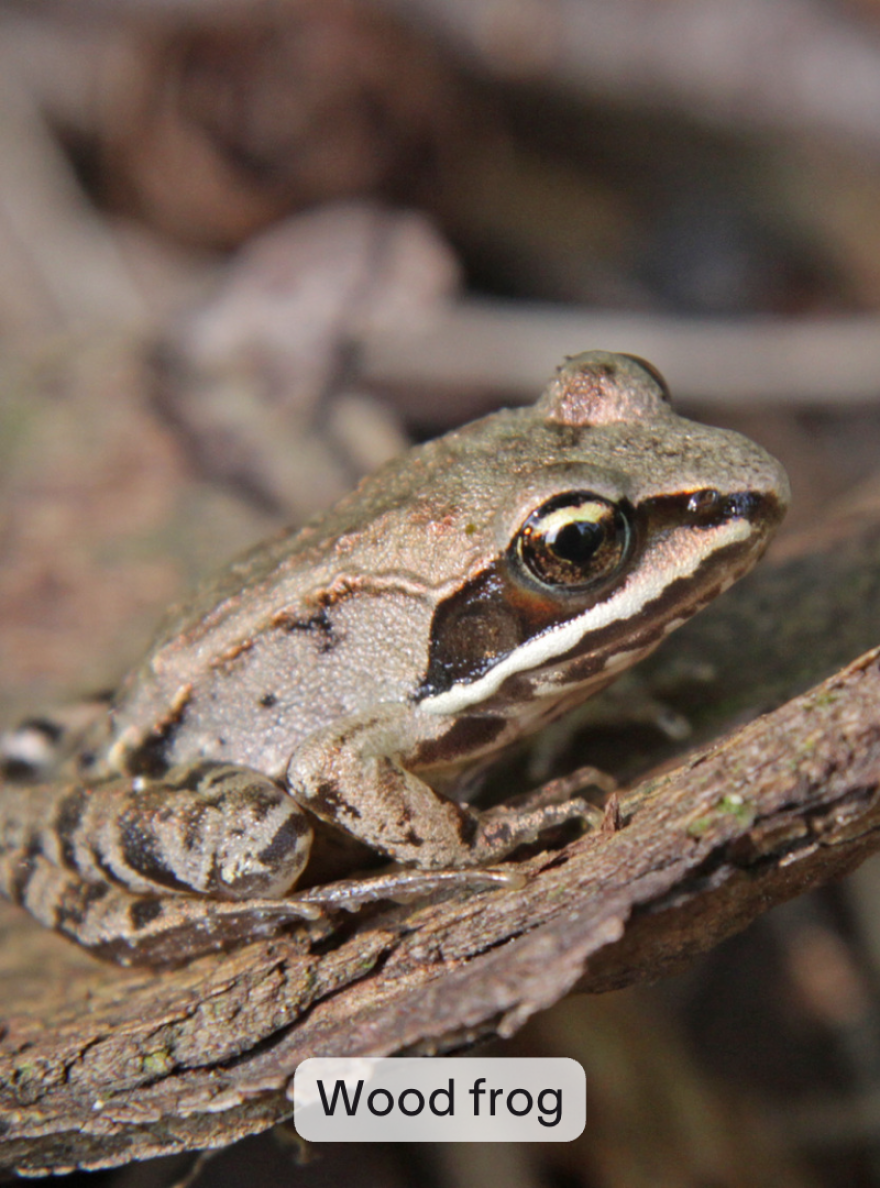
x=352, y=671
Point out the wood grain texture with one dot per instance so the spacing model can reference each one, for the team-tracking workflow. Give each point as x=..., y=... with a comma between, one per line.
x=100, y=1065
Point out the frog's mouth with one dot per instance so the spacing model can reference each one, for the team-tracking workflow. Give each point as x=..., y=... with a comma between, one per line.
x=487, y=654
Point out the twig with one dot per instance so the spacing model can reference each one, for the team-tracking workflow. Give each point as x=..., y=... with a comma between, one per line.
x=474, y=348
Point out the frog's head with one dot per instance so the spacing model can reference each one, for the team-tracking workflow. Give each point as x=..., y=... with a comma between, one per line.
x=600, y=522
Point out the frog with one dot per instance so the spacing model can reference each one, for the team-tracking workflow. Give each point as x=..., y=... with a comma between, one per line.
x=345, y=681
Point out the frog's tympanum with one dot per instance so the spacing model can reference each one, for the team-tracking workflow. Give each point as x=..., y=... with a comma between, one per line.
x=342, y=680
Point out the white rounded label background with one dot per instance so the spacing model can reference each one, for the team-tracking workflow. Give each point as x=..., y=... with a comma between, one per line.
x=440, y=1099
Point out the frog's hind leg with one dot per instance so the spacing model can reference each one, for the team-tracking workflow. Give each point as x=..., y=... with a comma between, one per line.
x=156, y=870
x=150, y=929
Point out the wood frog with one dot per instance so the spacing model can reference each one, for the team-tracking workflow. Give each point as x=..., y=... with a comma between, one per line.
x=345, y=678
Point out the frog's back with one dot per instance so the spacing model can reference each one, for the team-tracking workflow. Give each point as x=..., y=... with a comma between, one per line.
x=305, y=629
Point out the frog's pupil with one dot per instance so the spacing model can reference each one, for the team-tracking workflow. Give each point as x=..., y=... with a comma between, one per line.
x=576, y=542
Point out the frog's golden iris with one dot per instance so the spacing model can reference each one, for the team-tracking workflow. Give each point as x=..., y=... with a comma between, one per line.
x=574, y=540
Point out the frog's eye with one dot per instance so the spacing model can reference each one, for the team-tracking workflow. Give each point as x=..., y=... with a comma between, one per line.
x=573, y=540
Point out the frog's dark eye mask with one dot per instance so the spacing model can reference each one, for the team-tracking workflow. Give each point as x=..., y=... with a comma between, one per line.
x=581, y=567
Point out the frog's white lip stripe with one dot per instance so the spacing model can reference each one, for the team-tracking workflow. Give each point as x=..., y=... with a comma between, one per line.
x=629, y=600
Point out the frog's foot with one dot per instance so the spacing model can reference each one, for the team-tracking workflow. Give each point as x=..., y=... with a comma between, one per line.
x=504, y=828
x=406, y=886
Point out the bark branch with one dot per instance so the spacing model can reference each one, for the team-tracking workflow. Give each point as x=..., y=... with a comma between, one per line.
x=100, y=1065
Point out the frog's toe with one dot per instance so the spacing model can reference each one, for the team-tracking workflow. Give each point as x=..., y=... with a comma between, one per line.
x=407, y=885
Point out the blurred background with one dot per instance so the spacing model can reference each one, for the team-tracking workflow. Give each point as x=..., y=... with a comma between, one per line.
x=249, y=250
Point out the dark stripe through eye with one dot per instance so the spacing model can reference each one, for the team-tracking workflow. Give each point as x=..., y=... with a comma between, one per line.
x=706, y=508
x=745, y=504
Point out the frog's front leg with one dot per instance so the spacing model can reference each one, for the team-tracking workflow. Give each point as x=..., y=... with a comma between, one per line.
x=156, y=870
x=355, y=776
